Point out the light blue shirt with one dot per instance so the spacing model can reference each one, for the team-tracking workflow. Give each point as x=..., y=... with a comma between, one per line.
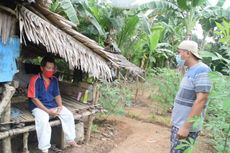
x=194, y=81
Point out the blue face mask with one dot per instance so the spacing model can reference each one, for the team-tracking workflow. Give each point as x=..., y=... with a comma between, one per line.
x=179, y=60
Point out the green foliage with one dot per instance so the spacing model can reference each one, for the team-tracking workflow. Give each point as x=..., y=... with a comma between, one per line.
x=218, y=115
x=66, y=6
x=216, y=12
x=158, y=5
x=55, y=6
x=218, y=54
x=127, y=30
x=153, y=40
x=163, y=84
x=188, y=144
x=114, y=97
x=189, y=4
x=182, y=4
x=94, y=128
x=35, y=61
x=224, y=32
x=86, y=13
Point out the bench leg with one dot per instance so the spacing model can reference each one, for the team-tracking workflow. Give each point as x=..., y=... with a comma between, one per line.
x=60, y=142
x=6, y=143
x=25, y=142
x=88, y=132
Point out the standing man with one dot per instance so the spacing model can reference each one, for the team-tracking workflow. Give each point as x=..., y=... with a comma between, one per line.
x=45, y=101
x=191, y=99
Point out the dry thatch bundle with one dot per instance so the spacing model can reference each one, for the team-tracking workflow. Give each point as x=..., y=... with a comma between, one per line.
x=7, y=25
x=39, y=31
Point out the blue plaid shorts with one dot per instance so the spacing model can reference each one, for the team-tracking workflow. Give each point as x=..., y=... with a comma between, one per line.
x=175, y=142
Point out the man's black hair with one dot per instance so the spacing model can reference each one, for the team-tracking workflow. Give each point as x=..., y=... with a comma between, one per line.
x=47, y=59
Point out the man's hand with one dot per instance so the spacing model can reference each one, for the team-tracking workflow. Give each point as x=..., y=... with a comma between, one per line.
x=183, y=133
x=52, y=112
x=59, y=108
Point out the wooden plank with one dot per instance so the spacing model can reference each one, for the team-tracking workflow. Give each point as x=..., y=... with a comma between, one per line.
x=78, y=104
x=74, y=104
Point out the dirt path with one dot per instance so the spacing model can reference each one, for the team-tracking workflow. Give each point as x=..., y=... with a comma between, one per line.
x=145, y=138
x=151, y=138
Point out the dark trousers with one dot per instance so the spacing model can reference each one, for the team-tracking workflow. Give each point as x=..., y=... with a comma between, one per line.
x=175, y=142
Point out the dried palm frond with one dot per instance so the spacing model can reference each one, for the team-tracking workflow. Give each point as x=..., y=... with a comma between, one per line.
x=7, y=25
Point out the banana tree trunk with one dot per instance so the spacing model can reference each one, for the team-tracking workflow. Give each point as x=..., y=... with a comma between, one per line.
x=143, y=62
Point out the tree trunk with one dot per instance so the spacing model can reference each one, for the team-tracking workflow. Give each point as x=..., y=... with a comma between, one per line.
x=143, y=62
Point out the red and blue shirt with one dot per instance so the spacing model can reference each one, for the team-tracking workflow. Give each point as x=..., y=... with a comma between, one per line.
x=45, y=93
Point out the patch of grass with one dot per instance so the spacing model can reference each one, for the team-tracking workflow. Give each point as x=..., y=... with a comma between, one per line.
x=161, y=120
x=94, y=128
x=133, y=115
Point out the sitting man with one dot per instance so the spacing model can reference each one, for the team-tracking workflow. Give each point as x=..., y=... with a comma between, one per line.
x=45, y=101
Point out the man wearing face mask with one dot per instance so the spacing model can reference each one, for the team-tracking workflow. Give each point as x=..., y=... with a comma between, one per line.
x=45, y=101
x=191, y=99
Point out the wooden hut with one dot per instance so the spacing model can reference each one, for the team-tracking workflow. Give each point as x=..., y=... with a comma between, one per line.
x=42, y=32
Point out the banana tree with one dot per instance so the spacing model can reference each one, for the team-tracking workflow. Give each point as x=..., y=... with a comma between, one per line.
x=65, y=8
x=219, y=53
x=78, y=11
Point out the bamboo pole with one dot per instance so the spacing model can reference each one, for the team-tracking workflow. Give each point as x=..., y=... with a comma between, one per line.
x=12, y=12
x=7, y=95
x=6, y=143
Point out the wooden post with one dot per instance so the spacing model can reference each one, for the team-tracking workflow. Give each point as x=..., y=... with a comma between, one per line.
x=60, y=141
x=91, y=117
x=97, y=94
x=7, y=95
x=6, y=143
x=94, y=93
x=25, y=142
x=5, y=114
x=90, y=124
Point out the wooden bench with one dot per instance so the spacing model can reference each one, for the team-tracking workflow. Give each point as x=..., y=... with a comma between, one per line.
x=24, y=123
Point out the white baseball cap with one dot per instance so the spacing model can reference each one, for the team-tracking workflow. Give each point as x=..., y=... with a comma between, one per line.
x=191, y=46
